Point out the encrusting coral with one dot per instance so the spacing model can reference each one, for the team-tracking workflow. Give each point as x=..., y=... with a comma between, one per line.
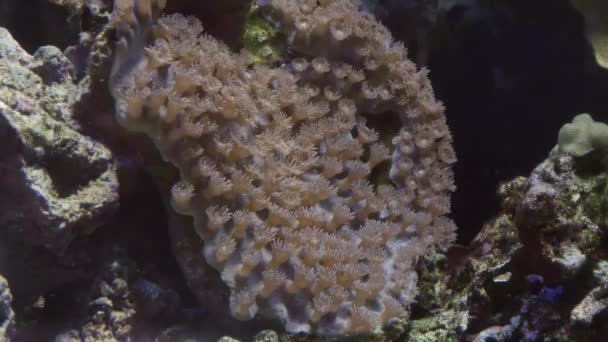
x=275, y=162
x=583, y=136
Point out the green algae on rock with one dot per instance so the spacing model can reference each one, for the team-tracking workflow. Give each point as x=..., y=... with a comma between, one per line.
x=262, y=39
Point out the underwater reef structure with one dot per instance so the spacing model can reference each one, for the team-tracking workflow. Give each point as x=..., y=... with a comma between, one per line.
x=538, y=270
x=279, y=164
x=7, y=316
x=41, y=203
x=93, y=251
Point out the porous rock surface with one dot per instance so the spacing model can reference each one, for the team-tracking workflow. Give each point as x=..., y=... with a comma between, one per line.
x=543, y=258
x=106, y=310
x=56, y=183
x=7, y=316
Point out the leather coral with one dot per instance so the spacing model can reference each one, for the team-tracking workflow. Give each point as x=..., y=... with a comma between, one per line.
x=276, y=163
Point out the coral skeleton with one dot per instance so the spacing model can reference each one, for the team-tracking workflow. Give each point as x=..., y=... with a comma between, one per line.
x=276, y=163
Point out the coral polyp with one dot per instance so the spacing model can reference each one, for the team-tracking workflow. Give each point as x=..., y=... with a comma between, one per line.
x=276, y=162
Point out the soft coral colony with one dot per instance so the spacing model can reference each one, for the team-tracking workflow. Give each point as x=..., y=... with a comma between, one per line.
x=276, y=163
